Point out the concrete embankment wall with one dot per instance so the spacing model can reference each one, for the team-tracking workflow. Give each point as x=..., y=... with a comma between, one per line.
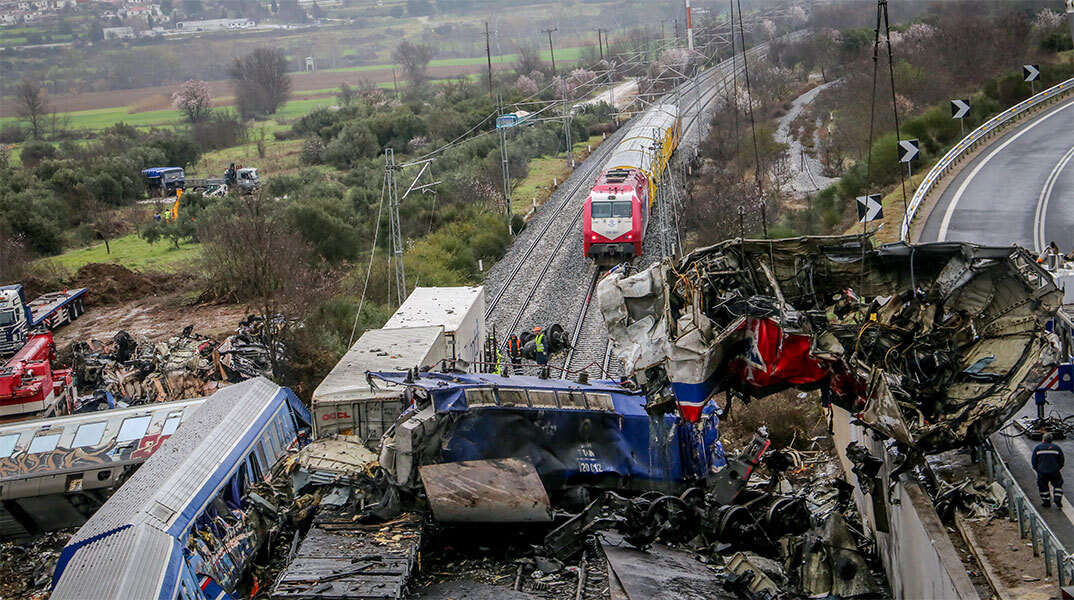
x=918, y=557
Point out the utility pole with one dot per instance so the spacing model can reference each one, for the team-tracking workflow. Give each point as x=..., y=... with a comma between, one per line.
x=488, y=54
x=551, y=50
x=393, y=219
x=504, y=170
x=689, y=28
x=1070, y=17
x=662, y=21
x=676, y=29
x=395, y=82
x=599, y=44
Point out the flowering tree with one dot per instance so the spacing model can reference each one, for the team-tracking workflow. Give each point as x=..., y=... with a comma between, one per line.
x=583, y=76
x=526, y=85
x=194, y=99
x=566, y=87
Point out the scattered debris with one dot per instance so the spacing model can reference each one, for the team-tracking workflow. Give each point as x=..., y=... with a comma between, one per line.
x=189, y=365
x=934, y=345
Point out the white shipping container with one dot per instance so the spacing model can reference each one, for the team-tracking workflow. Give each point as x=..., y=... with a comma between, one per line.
x=346, y=403
x=460, y=310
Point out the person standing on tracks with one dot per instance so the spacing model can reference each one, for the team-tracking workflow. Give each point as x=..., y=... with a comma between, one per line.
x=540, y=351
x=1048, y=462
x=514, y=350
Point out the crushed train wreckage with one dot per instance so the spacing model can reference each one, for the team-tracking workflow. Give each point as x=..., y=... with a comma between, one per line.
x=933, y=345
x=188, y=365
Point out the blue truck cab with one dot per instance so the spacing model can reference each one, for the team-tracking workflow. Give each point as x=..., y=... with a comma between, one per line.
x=163, y=181
x=18, y=317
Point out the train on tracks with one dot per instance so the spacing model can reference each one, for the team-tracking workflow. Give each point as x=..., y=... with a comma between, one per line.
x=183, y=526
x=617, y=209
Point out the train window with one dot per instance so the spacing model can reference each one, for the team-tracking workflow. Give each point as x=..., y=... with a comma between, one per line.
x=571, y=399
x=44, y=443
x=480, y=397
x=276, y=434
x=620, y=209
x=7, y=444
x=543, y=399
x=513, y=398
x=133, y=428
x=600, y=401
x=171, y=424
x=89, y=434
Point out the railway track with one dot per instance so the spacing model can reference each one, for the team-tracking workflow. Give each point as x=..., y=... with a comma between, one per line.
x=544, y=282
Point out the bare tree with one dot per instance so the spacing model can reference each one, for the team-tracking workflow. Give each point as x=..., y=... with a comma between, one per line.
x=529, y=60
x=255, y=256
x=261, y=82
x=414, y=59
x=103, y=222
x=14, y=259
x=33, y=105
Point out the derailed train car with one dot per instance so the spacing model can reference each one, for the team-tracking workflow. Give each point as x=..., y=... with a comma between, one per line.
x=617, y=209
x=933, y=345
x=182, y=526
x=55, y=472
x=577, y=435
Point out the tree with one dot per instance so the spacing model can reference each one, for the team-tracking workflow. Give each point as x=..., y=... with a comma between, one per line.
x=103, y=222
x=252, y=253
x=347, y=95
x=260, y=81
x=414, y=59
x=529, y=60
x=194, y=99
x=32, y=104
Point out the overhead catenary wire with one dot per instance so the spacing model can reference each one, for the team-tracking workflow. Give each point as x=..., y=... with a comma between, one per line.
x=369, y=269
x=753, y=123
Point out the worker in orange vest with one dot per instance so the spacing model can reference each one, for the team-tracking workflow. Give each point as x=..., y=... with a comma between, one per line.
x=514, y=350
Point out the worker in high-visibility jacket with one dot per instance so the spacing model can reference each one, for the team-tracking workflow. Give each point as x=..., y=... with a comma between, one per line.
x=514, y=350
x=540, y=351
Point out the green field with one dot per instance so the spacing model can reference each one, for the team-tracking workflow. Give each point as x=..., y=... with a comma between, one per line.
x=540, y=173
x=130, y=251
x=562, y=54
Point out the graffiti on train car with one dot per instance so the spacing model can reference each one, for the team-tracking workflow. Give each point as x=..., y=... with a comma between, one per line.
x=26, y=463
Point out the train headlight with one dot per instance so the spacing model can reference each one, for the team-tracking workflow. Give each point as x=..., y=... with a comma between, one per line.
x=629, y=236
x=594, y=237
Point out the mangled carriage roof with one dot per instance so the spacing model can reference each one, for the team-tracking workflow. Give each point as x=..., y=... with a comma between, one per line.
x=933, y=345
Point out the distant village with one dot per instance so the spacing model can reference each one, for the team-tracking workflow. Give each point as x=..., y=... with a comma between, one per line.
x=134, y=18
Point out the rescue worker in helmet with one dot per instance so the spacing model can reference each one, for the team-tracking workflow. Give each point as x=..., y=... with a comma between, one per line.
x=514, y=350
x=541, y=351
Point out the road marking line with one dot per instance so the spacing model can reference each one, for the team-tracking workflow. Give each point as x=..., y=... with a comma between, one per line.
x=946, y=223
x=1045, y=197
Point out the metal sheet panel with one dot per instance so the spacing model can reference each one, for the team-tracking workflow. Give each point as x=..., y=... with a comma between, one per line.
x=503, y=490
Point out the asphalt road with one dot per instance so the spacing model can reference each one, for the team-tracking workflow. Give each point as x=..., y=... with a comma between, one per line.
x=1018, y=190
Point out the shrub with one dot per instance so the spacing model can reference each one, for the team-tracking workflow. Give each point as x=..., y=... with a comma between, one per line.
x=313, y=152
x=12, y=134
x=34, y=151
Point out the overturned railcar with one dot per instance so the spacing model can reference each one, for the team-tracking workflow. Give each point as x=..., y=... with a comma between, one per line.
x=54, y=473
x=181, y=527
x=934, y=345
x=577, y=435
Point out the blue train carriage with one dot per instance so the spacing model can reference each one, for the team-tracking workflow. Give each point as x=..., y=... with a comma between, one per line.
x=594, y=434
x=181, y=527
x=519, y=117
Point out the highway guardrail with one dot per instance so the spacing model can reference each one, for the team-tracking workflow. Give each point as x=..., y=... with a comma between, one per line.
x=1020, y=508
x=986, y=131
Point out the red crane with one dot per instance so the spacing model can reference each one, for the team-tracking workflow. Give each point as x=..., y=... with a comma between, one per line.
x=29, y=385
